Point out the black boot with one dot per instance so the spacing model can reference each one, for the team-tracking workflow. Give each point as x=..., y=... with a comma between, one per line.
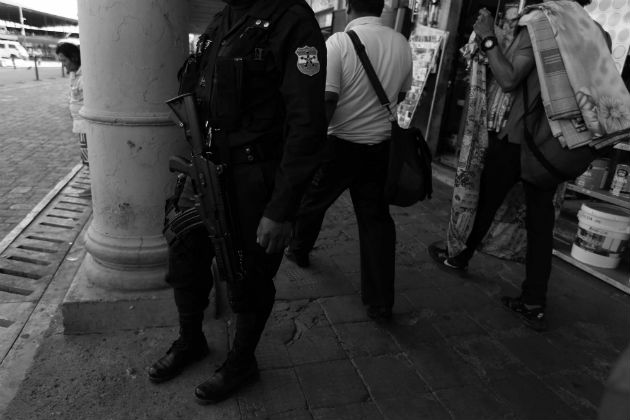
x=240, y=367
x=183, y=352
x=234, y=373
x=190, y=347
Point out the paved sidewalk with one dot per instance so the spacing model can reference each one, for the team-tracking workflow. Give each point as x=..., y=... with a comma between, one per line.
x=37, y=146
x=451, y=352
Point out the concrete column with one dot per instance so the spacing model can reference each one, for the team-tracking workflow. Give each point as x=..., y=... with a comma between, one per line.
x=22, y=31
x=131, y=52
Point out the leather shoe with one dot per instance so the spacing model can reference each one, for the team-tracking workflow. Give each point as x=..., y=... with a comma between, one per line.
x=181, y=354
x=226, y=380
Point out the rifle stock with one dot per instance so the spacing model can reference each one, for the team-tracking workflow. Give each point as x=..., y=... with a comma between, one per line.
x=211, y=198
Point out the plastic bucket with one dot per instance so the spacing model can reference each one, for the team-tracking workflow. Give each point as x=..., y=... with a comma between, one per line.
x=603, y=233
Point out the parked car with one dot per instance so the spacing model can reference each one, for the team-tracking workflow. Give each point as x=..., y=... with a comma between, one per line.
x=12, y=49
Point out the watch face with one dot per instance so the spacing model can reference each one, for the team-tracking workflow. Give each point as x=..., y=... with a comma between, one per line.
x=488, y=43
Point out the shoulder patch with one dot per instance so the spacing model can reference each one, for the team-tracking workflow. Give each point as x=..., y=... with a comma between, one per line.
x=307, y=61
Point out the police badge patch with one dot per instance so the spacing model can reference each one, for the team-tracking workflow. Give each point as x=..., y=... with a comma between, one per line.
x=307, y=61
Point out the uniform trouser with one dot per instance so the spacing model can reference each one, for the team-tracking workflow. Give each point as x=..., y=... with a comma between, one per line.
x=501, y=171
x=190, y=260
x=362, y=169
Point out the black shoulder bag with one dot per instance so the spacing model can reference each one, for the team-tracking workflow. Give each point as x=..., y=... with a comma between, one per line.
x=544, y=161
x=409, y=174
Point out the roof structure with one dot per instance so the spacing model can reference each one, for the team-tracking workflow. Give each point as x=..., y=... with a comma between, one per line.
x=35, y=20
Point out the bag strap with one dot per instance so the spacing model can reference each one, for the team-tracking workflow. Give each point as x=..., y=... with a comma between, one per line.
x=529, y=140
x=369, y=70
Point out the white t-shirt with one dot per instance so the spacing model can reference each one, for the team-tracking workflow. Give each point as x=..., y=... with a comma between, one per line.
x=359, y=116
x=76, y=101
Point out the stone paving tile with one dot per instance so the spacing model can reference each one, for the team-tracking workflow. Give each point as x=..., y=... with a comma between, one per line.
x=441, y=277
x=38, y=147
x=529, y=398
x=362, y=339
x=435, y=300
x=287, y=415
x=272, y=351
x=279, y=392
x=293, y=282
x=417, y=407
x=103, y=376
x=344, y=309
x=415, y=331
x=390, y=376
x=585, y=349
x=494, y=318
x=487, y=357
x=365, y=411
x=331, y=384
x=538, y=354
x=441, y=366
x=456, y=324
x=412, y=279
x=473, y=402
x=317, y=344
x=577, y=389
x=347, y=263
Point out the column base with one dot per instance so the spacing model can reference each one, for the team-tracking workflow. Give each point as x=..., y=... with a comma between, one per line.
x=132, y=279
x=91, y=309
x=127, y=264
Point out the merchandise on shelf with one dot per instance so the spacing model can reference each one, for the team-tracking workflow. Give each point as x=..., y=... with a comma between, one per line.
x=602, y=235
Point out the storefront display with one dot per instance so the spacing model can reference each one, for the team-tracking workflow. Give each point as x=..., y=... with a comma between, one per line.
x=596, y=185
x=439, y=98
x=606, y=182
x=426, y=46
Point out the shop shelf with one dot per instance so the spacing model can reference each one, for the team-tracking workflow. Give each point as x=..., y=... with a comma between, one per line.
x=618, y=277
x=602, y=195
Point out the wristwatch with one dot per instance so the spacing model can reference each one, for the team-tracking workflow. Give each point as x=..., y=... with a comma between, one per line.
x=489, y=43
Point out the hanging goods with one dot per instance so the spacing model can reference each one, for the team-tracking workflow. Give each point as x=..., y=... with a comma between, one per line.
x=409, y=173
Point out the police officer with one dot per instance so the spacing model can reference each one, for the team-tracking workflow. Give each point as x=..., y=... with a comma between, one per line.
x=260, y=92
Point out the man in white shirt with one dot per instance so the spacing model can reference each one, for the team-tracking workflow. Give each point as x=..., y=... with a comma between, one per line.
x=359, y=131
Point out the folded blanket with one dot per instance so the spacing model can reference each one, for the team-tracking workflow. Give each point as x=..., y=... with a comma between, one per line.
x=560, y=99
x=570, y=131
x=599, y=90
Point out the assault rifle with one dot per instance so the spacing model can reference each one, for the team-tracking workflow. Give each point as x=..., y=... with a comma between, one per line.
x=211, y=200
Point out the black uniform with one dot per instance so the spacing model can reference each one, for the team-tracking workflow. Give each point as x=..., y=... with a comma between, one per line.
x=260, y=93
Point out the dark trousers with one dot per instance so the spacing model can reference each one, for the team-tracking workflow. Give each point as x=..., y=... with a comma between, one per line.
x=362, y=169
x=190, y=260
x=501, y=171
